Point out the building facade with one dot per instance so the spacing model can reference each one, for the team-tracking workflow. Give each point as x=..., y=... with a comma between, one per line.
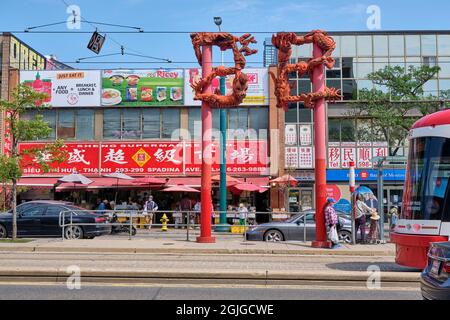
x=357, y=55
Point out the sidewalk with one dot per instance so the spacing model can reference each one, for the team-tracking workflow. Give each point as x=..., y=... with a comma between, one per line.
x=223, y=245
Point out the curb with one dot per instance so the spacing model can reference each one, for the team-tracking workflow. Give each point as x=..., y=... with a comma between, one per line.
x=288, y=278
x=197, y=251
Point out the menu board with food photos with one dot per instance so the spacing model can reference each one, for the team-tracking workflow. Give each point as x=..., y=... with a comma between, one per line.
x=141, y=88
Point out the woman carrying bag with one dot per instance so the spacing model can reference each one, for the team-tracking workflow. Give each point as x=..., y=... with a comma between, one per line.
x=332, y=221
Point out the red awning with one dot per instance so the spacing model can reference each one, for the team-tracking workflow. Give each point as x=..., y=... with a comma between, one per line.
x=190, y=182
x=100, y=183
x=37, y=182
x=259, y=181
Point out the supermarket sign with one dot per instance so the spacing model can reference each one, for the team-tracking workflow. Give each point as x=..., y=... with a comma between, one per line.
x=150, y=158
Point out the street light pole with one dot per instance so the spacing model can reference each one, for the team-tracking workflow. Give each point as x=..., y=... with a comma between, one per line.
x=223, y=226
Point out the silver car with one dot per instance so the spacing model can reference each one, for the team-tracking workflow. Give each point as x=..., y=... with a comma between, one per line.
x=295, y=229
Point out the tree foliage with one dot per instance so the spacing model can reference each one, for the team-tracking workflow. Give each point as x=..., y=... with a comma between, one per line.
x=397, y=101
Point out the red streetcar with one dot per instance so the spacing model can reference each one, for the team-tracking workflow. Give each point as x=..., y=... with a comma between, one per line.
x=425, y=216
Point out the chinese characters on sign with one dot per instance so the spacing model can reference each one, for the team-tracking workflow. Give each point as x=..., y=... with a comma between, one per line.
x=291, y=157
x=159, y=158
x=362, y=153
x=305, y=135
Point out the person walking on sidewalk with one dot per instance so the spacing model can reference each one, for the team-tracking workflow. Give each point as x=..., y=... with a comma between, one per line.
x=360, y=217
x=331, y=220
x=150, y=207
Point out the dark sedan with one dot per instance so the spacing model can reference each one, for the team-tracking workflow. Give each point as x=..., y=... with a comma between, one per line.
x=295, y=229
x=43, y=219
x=435, y=279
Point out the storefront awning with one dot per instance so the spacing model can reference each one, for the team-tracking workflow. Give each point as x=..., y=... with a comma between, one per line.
x=259, y=181
x=99, y=183
x=190, y=182
x=37, y=182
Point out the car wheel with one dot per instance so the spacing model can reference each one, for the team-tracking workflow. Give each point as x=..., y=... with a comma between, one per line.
x=3, y=232
x=345, y=236
x=74, y=232
x=273, y=236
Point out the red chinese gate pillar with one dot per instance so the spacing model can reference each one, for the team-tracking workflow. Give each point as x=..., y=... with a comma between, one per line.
x=320, y=153
x=206, y=199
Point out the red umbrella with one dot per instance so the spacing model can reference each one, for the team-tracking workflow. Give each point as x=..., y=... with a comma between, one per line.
x=229, y=179
x=286, y=179
x=240, y=187
x=180, y=188
x=150, y=180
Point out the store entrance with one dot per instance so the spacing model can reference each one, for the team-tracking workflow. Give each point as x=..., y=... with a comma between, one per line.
x=300, y=199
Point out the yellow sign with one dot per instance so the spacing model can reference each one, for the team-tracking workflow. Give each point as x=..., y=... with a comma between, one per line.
x=23, y=57
x=141, y=157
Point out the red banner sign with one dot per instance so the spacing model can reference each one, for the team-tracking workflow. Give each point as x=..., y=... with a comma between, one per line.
x=151, y=158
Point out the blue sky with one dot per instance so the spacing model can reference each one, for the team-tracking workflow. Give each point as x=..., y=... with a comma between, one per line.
x=197, y=15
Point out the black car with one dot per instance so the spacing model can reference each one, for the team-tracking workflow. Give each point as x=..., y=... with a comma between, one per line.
x=435, y=279
x=43, y=219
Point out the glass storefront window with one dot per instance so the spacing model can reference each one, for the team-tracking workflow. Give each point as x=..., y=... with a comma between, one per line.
x=349, y=89
x=396, y=45
x=131, y=127
x=412, y=45
x=348, y=68
x=348, y=46
x=170, y=122
x=112, y=124
x=66, y=124
x=444, y=45
x=364, y=44
x=380, y=46
x=151, y=124
x=348, y=130
x=429, y=45
x=194, y=123
x=444, y=64
x=334, y=130
x=85, y=124
x=365, y=67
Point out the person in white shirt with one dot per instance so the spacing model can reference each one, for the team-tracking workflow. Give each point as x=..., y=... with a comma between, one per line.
x=243, y=213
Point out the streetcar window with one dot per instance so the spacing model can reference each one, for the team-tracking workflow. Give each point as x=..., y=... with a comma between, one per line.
x=427, y=190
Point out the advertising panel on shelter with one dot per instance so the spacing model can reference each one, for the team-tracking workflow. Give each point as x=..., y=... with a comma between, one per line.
x=141, y=88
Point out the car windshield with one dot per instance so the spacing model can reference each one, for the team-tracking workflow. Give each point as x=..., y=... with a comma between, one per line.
x=293, y=218
x=427, y=195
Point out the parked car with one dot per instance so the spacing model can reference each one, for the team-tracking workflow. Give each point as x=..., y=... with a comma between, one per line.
x=435, y=278
x=42, y=219
x=294, y=228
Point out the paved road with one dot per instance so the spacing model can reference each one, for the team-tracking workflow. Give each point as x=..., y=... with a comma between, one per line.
x=199, y=261
x=190, y=292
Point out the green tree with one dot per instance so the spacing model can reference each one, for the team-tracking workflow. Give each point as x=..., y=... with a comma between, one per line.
x=397, y=101
x=22, y=99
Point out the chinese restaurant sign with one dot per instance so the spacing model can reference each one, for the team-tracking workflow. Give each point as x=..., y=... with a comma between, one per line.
x=141, y=88
x=257, y=92
x=74, y=88
x=155, y=158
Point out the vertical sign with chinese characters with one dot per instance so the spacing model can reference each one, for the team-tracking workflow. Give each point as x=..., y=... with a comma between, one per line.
x=292, y=157
x=290, y=135
x=348, y=154
x=305, y=135
x=364, y=155
x=306, y=158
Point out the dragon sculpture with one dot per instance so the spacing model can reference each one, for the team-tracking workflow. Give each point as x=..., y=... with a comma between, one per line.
x=283, y=42
x=224, y=41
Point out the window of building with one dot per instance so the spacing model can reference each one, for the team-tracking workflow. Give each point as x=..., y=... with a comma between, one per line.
x=429, y=45
x=364, y=67
x=112, y=124
x=290, y=116
x=85, y=124
x=337, y=51
x=151, y=123
x=444, y=64
x=304, y=115
x=259, y=121
x=396, y=45
x=348, y=68
x=170, y=122
x=66, y=124
x=397, y=62
x=364, y=44
x=380, y=46
x=194, y=123
x=349, y=90
x=412, y=45
x=348, y=46
x=334, y=130
x=380, y=64
x=444, y=45
x=131, y=124
x=348, y=133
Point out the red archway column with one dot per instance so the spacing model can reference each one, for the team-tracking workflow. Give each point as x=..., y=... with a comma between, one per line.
x=206, y=199
x=320, y=145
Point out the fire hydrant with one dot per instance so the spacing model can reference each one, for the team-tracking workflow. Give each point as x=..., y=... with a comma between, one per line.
x=164, y=221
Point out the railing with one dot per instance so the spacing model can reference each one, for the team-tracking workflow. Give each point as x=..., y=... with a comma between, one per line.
x=129, y=220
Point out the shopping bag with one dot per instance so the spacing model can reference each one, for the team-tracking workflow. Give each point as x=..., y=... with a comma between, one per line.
x=333, y=235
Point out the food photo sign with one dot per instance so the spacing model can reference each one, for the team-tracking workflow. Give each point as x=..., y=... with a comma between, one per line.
x=141, y=88
x=70, y=88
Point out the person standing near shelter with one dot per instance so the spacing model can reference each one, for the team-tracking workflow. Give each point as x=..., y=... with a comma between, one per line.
x=186, y=208
x=332, y=220
x=360, y=217
x=374, y=228
x=150, y=207
x=243, y=213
